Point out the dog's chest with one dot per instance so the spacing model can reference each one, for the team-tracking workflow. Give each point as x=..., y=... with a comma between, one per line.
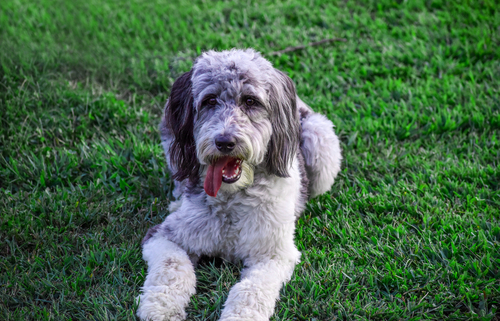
x=254, y=220
x=241, y=218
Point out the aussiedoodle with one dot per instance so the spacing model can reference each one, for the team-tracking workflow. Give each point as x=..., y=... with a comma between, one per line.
x=245, y=154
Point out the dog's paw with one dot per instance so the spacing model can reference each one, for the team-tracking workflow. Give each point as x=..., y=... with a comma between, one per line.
x=160, y=306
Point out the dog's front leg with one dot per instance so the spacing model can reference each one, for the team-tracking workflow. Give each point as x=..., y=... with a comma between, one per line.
x=170, y=280
x=254, y=297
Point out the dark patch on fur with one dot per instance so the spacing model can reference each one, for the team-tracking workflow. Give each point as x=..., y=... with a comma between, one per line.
x=304, y=113
x=232, y=65
x=152, y=231
x=169, y=262
x=286, y=126
x=179, y=116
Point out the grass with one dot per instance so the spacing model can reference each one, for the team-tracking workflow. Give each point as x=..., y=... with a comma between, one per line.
x=409, y=231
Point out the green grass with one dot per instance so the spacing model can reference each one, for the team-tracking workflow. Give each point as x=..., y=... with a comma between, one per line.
x=409, y=231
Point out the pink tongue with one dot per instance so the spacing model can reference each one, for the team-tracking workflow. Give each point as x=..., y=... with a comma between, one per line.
x=213, y=180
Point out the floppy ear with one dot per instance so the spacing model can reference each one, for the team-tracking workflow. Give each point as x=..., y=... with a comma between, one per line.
x=286, y=125
x=179, y=117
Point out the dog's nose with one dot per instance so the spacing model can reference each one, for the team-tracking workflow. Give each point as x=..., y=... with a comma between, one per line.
x=225, y=143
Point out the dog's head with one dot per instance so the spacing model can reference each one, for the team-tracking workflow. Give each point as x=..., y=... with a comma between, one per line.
x=231, y=113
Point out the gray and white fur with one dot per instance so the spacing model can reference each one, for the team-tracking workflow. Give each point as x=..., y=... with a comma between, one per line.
x=288, y=154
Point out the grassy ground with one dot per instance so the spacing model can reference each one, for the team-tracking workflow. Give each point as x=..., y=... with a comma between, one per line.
x=410, y=230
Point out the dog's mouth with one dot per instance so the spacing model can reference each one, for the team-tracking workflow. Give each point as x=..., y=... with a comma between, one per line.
x=225, y=169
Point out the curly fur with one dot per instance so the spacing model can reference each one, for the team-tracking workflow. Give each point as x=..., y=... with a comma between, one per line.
x=288, y=154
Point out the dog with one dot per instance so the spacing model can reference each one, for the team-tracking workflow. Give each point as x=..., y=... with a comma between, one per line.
x=245, y=154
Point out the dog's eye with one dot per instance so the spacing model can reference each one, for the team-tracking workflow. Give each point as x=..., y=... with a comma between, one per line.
x=250, y=101
x=210, y=101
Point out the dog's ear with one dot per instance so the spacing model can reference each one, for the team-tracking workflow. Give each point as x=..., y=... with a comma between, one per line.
x=179, y=117
x=286, y=125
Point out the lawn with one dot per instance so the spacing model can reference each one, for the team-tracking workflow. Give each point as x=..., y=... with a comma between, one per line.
x=409, y=231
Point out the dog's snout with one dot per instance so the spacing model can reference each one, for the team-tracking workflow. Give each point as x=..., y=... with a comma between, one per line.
x=225, y=143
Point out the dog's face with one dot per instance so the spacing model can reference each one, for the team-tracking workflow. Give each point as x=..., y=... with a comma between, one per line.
x=231, y=113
